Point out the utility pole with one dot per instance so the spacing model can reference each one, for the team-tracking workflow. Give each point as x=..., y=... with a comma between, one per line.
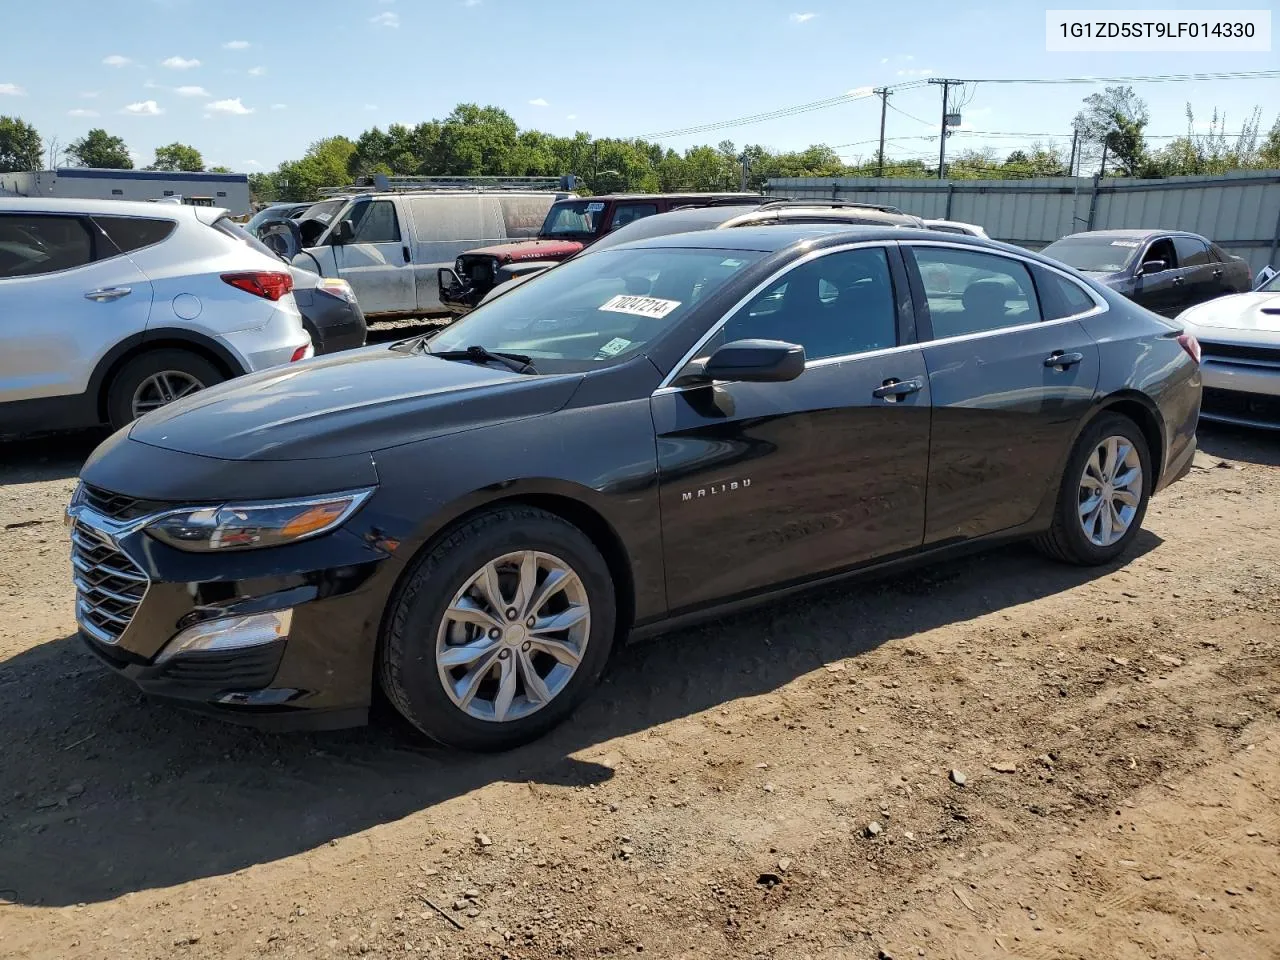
x=1102, y=172
x=942, y=145
x=1075, y=139
x=883, y=94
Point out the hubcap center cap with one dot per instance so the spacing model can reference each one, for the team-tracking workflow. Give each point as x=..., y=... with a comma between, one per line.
x=514, y=635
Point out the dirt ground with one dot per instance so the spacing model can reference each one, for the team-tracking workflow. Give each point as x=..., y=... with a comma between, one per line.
x=777, y=785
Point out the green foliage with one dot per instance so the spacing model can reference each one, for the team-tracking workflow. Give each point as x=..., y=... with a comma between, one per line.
x=98, y=148
x=219, y=169
x=178, y=156
x=20, y=146
x=325, y=164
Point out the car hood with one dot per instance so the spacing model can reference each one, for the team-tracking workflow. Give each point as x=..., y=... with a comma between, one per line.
x=1250, y=316
x=357, y=401
x=529, y=250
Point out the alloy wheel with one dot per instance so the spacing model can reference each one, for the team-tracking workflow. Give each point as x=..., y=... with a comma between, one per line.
x=1110, y=491
x=512, y=638
x=161, y=389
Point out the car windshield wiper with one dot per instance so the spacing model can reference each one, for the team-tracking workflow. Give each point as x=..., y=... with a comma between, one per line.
x=516, y=362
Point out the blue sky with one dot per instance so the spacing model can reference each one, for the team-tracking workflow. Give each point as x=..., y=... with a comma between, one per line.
x=252, y=83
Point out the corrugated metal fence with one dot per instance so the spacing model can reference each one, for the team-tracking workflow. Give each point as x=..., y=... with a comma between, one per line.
x=1239, y=211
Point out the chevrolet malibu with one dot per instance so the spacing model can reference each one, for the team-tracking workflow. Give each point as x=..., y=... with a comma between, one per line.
x=472, y=523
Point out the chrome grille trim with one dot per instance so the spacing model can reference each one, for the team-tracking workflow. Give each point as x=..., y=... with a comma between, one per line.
x=109, y=585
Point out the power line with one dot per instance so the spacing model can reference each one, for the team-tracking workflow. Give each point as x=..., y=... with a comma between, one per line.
x=758, y=117
x=927, y=123
x=1152, y=78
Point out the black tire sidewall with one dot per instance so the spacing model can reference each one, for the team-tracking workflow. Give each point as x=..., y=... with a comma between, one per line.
x=132, y=374
x=1109, y=425
x=417, y=611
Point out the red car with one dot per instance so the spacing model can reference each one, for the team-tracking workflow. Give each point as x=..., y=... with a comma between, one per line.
x=570, y=226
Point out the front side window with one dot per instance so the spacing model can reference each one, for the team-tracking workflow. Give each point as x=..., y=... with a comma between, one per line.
x=375, y=222
x=32, y=244
x=1161, y=250
x=833, y=306
x=1191, y=251
x=596, y=310
x=625, y=213
x=974, y=292
x=574, y=219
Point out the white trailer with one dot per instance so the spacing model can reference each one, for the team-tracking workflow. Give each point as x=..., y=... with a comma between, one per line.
x=230, y=190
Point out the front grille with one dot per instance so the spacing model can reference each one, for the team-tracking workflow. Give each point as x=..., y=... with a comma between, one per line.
x=116, y=505
x=1267, y=356
x=480, y=273
x=1252, y=407
x=109, y=586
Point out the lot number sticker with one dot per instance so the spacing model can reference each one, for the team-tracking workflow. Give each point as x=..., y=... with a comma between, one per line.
x=640, y=306
x=1125, y=243
x=614, y=347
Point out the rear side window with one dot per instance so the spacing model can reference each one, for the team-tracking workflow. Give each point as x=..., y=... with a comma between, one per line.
x=228, y=227
x=31, y=245
x=624, y=213
x=134, y=233
x=1060, y=297
x=1191, y=252
x=522, y=216
x=447, y=218
x=973, y=292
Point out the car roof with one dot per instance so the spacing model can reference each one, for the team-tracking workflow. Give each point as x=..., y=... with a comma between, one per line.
x=682, y=194
x=1132, y=234
x=120, y=208
x=765, y=239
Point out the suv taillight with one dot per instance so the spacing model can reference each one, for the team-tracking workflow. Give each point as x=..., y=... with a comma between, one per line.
x=261, y=283
x=1191, y=345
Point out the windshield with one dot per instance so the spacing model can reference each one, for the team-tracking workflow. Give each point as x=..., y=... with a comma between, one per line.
x=598, y=310
x=574, y=218
x=274, y=212
x=1094, y=254
x=1271, y=286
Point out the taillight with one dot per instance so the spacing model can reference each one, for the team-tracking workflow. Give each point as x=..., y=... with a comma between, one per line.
x=1191, y=345
x=301, y=353
x=261, y=283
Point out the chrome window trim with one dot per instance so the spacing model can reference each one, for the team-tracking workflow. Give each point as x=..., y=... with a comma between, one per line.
x=1100, y=306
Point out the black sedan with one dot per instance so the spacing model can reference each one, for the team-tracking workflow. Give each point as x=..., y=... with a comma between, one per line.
x=659, y=431
x=1164, y=271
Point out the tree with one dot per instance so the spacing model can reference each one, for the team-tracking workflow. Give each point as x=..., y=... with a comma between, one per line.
x=324, y=165
x=178, y=156
x=20, y=146
x=98, y=148
x=219, y=169
x=1114, y=120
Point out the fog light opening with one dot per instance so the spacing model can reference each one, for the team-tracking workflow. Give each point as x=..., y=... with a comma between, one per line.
x=230, y=633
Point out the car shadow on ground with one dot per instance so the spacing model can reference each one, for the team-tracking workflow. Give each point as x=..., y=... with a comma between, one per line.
x=105, y=793
x=1240, y=443
x=52, y=456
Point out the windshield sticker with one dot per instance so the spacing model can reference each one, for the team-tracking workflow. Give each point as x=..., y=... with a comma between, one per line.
x=595, y=207
x=640, y=306
x=614, y=347
x=1126, y=243
x=731, y=263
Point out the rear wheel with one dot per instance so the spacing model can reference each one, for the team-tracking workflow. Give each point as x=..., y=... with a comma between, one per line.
x=499, y=631
x=1104, y=494
x=155, y=379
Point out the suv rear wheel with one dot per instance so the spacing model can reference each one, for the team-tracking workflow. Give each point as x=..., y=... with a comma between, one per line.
x=153, y=380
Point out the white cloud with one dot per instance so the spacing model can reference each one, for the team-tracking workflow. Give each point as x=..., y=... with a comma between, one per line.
x=91, y=94
x=12, y=90
x=252, y=163
x=115, y=60
x=915, y=73
x=860, y=92
x=279, y=106
x=802, y=17
x=81, y=112
x=572, y=116
x=471, y=3
x=231, y=105
x=236, y=45
x=538, y=102
x=387, y=19
x=884, y=59
x=257, y=71
x=192, y=92
x=151, y=85
x=144, y=108
x=908, y=57
x=179, y=63
x=371, y=106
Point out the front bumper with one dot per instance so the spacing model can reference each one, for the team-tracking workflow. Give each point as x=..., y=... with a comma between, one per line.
x=457, y=295
x=1242, y=390
x=135, y=595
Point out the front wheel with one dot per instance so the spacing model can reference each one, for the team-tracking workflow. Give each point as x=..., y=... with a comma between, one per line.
x=1104, y=494
x=499, y=631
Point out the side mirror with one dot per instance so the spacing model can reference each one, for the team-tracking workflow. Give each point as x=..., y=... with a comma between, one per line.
x=1153, y=266
x=344, y=232
x=756, y=361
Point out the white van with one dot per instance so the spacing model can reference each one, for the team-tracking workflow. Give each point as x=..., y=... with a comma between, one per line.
x=388, y=244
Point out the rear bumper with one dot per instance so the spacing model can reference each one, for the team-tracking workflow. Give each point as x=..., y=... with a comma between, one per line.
x=335, y=325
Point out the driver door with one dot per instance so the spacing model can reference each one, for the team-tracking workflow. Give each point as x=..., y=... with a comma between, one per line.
x=1159, y=292
x=376, y=261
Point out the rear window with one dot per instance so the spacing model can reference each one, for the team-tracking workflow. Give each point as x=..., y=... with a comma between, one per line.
x=134, y=233
x=228, y=227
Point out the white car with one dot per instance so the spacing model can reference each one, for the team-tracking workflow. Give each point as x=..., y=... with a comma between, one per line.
x=1239, y=339
x=955, y=226
x=111, y=308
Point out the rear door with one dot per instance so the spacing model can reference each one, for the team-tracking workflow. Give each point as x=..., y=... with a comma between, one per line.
x=769, y=483
x=67, y=296
x=444, y=227
x=1011, y=374
x=377, y=262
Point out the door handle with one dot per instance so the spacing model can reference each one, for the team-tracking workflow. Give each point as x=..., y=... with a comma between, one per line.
x=894, y=390
x=1177, y=281
x=1063, y=361
x=405, y=251
x=1217, y=273
x=107, y=294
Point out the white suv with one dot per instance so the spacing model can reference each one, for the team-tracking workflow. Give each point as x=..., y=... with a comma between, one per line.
x=111, y=308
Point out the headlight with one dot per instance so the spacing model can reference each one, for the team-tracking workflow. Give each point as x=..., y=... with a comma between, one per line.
x=337, y=288
x=246, y=526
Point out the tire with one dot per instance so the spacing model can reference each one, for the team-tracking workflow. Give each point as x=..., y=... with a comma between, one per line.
x=135, y=373
x=1066, y=540
x=416, y=628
